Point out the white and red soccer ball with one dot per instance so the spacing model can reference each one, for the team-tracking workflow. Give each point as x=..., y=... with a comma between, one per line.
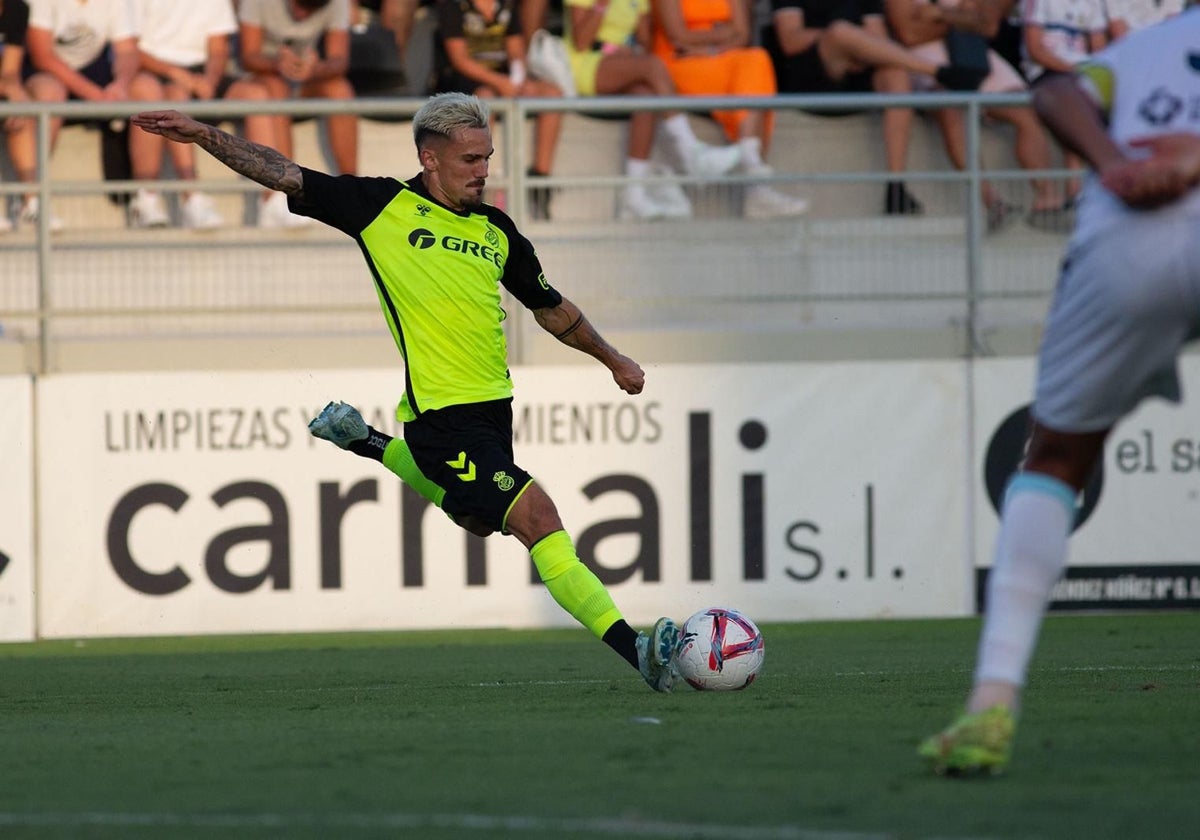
x=719, y=650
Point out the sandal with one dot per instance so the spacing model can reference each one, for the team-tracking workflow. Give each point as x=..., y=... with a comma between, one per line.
x=1000, y=215
x=1052, y=219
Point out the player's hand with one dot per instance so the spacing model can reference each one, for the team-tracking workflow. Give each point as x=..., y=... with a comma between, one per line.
x=1171, y=169
x=170, y=124
x=628, y=374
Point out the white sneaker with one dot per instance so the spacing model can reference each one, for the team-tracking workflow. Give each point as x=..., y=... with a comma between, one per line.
x=636, y=204
x=710, y=161
x=671, y=198
x=273, y=212
x=199, y=212
x=6, y=224
x=764, y=202
x=31, y=210
x=147, y=210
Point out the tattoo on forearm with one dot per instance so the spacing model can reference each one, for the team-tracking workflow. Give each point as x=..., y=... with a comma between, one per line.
x=574, y=326
x=258, y=163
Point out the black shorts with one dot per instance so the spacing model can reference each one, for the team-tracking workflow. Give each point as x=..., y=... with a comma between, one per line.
x=805, y=73
x=467, y=450
x=99, y=72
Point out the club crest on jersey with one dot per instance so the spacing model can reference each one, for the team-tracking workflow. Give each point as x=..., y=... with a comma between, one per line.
x=503, y=480
x=1161, y=107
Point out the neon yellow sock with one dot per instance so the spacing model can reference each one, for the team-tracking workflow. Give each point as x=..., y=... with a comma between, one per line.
x=398, y=459
x=573, y=585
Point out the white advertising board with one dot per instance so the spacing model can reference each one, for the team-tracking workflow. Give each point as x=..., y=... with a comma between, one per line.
x=198, y=503
x=1135, y=544
x=16, y=509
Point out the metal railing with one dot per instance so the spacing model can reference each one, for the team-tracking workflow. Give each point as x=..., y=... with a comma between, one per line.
x=49, y=310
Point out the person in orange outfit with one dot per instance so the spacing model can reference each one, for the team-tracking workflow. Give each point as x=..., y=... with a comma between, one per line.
x=706, y=47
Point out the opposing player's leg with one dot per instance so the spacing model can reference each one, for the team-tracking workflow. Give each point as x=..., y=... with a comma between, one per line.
x=1031, y=552
x=343, y=425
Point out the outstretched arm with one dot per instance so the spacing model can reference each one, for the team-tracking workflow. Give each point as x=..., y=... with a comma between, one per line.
x=257, y=162
x=568, y=324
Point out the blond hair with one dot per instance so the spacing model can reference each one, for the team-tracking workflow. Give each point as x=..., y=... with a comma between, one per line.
x=446, y=113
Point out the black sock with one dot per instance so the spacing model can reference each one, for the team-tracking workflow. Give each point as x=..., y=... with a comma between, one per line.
x=623, y=639
x=373, y=446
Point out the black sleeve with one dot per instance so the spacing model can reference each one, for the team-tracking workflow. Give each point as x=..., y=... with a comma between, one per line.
x=346, y=202
x=450, y=19
x=523, y=275
x=14, y=20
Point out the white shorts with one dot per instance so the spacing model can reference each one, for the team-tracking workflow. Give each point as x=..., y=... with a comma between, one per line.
x=1127, y=301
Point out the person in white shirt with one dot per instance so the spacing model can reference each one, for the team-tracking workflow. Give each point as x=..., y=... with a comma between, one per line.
x=302, y=48
x=1123, y=310
x=1125, y=16
x=80, y=49
x=185, y=49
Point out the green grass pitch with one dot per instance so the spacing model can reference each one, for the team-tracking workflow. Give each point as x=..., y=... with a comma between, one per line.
x=549, y=735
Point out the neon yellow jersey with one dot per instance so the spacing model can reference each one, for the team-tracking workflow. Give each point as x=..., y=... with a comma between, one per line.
x=438, y=274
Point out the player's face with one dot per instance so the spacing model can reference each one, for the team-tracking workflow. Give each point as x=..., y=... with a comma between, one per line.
x=457, y=168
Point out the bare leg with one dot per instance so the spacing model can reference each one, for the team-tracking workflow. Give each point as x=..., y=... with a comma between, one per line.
x=343, y=128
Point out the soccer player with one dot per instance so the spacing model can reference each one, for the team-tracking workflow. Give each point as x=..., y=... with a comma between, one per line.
x=443, y=307
x=1124, y=307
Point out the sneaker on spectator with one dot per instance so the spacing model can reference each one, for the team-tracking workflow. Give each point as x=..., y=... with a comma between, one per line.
x=637, y=204
x=764, y=202
x=31, y=211
x=670, y=197
x=273, y=212
x=147, y=210
x=710, y=161
x=199, y=212
x=6, y=224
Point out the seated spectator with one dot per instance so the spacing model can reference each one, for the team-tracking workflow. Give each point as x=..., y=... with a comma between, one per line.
x=540, y=14
x=922, y=26
x=1125, y=16
x=184, y=49
x=20, y=131
x=79, y=51
x=705, y=45
x=608, y=51
x=843, y=46
x=396, y=16
x=300, y=48
x=482, y=52
x=1056, y=38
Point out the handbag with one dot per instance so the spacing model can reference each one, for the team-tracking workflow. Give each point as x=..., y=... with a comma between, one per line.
x=547, y=60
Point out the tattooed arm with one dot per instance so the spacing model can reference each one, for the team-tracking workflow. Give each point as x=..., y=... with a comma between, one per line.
x=258, y=163
x=568, y=324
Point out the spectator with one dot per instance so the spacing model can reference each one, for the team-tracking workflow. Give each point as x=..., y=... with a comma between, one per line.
x=184, y=49
x=79, y=51
x=20, y=131
x=922, y=26
x=300, y=47
x=482, y=52
x=607, y=48
x=1058, y=34
x=540, y=14
x=705, y=45
x=396, y=16
x=843, y=46
x=1125, y=16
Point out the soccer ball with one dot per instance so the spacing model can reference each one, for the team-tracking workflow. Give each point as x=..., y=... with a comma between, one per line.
x=719, y=650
